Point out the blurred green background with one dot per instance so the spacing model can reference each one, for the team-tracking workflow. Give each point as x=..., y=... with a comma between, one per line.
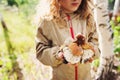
x=17, y=41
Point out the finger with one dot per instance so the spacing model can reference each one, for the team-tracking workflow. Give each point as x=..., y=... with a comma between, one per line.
x=60, y=54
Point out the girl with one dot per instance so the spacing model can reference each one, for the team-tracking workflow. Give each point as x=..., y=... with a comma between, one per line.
x=55, y=17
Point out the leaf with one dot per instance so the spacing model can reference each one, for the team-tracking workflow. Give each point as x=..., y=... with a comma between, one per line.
x=117, y=48
x=96, y=63
x=117, y=28
x=1, y=63
x=9, y=65
x=118, y=19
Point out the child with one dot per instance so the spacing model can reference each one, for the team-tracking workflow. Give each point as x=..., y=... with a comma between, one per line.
x=59, y=21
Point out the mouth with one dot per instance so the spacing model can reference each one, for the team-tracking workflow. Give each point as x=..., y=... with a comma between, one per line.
x=75, y=4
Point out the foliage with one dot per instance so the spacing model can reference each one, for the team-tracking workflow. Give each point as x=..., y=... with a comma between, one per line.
x=96, y=63
x=21, y=33
x=111, y=4
x=116, y=28
x=26, y=8
x=12, y=2
x=111, y=1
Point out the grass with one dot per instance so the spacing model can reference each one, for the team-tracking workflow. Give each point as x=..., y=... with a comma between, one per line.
x=22, y=36
x=20, y=30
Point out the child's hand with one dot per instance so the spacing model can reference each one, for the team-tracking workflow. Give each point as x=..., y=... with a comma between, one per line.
x=60, y=55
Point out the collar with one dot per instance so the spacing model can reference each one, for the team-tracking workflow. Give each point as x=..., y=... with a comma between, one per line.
x=72, y=15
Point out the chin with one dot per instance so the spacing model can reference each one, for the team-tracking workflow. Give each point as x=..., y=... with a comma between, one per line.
x=73, y=10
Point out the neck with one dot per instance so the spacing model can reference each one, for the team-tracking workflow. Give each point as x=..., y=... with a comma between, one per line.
x=67, y=11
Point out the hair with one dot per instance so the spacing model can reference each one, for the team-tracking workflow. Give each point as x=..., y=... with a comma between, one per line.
x=50, y=9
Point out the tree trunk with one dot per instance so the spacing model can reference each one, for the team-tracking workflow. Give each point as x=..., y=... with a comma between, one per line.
x=105, y=36
x=116, y=7
x=116, y=11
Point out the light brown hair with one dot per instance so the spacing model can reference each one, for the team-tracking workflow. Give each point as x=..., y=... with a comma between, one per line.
x=53, y=11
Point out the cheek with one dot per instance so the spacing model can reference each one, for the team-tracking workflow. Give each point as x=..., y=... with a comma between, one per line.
x=64, y=4
x=80, y=1
x=64, y=1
